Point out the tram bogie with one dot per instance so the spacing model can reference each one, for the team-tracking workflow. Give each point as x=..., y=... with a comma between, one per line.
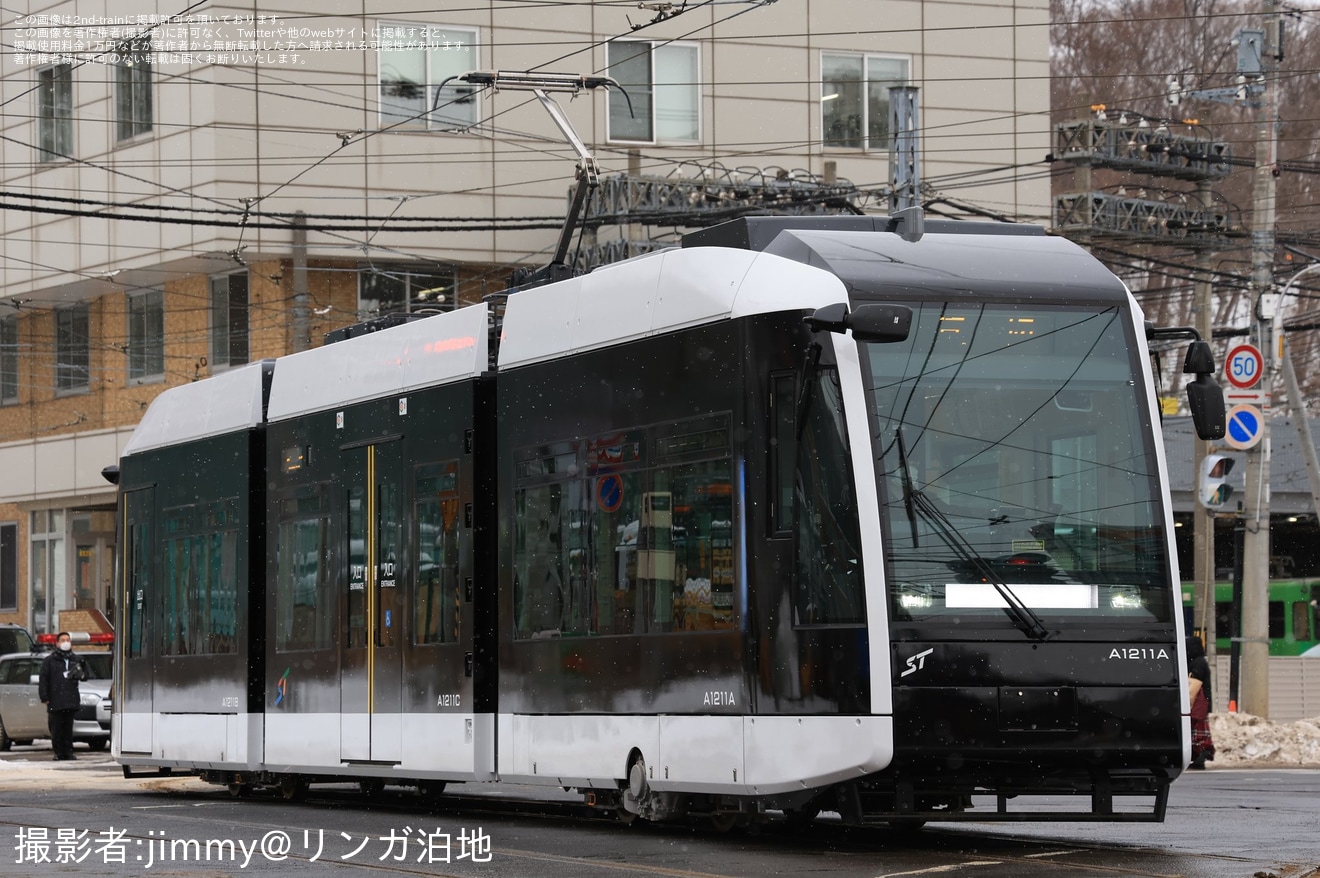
x=801, y=516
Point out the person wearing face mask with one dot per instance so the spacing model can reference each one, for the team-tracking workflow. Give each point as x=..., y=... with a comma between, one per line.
x=60, y=673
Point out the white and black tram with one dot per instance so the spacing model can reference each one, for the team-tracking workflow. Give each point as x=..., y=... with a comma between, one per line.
x=802, y=515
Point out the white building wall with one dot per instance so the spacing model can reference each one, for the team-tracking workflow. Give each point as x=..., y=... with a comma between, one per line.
x=276, y=132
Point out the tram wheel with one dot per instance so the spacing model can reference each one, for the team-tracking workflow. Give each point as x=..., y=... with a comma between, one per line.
x=724, y=821
x=240, y=790
x=431, y=790
x=292, y=788
x=624, y=816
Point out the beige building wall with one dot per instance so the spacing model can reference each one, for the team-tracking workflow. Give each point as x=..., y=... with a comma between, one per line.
x=302, y=131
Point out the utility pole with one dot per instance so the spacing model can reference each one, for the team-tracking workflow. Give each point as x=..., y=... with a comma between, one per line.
x=1203, y=520
x=300, y=322
x=1255, y=678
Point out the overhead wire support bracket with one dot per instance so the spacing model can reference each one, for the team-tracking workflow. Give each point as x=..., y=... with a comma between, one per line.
x=542, y=85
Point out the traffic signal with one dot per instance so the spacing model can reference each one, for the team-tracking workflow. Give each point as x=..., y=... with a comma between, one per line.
x=1212, y=489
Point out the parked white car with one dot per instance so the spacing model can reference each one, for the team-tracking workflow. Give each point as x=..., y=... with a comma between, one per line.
x=23, y=716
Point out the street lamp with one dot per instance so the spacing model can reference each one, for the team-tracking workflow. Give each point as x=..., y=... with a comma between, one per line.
x=1315, y=266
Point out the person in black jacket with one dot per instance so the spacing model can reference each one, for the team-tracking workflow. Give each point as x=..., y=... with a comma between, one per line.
x=58, y=689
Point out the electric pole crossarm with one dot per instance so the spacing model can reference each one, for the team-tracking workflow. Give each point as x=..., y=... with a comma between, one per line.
x=1146, y=146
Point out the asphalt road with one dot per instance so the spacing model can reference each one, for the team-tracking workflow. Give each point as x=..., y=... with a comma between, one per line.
x=83, y=818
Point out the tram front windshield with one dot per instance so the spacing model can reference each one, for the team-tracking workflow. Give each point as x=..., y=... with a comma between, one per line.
x=1015, y=453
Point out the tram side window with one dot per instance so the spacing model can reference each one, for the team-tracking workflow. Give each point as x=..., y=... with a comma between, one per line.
x=703, y=565
x=201, y=579
x=629, y=550
x=621, y=606
x=1276, y=620
x=304, y=606
x=783, y=456
x=1301, y=621
x=389, y=513
x=829, y=547
x=137, y=567
x=539, y=591
x=357, y=567
x=439, y=602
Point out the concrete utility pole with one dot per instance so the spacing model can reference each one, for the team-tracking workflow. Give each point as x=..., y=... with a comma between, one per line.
x=301, y=318
x=1255, y=678
x=1203, y=520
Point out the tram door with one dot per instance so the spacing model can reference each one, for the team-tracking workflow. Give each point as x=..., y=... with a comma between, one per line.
x=372, y=679
x=136, y=643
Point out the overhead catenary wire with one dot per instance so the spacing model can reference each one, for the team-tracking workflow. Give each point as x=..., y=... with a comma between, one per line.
x=724, y=37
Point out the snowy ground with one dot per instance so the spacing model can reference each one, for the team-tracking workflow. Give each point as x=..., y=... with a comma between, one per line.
x=1244, y=740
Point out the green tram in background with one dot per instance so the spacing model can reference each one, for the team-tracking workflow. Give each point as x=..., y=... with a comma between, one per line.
x=1294, y=615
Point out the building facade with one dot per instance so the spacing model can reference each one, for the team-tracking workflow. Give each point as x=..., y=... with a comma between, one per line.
x=186, y=194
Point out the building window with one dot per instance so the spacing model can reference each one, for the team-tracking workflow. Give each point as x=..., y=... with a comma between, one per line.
x=146, y=337
x=854, y=99
x=55, y=112
x=402, y=289
x=661, y=82
x=133, y=108
x=229, y=321
x=47, y=571
x=72, y=361
x=8, y=566
x=8, y=360
x=415, y=59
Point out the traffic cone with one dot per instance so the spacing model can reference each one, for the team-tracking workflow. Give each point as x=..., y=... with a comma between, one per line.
x=1232, y=706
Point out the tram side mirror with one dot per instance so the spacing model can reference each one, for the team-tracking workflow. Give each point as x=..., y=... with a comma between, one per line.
x=1205, y=398
x=878, y=323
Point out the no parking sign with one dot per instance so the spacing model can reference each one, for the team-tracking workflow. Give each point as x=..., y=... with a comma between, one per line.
x=609, y=492
x=1244, y=427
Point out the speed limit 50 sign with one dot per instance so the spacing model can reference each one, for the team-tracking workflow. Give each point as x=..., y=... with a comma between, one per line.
x=1243, y=366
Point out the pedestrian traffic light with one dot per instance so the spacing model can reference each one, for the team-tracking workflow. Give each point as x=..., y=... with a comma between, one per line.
x=1212, y=489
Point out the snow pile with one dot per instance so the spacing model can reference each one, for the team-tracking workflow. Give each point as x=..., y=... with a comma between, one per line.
x=1241, y=739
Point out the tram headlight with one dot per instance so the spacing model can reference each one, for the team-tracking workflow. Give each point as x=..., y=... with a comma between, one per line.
x=915, y=601
x=1127, y=599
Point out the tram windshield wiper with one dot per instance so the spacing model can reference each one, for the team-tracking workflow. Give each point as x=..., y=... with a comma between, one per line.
x=917, y=504
x=1026, y=618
